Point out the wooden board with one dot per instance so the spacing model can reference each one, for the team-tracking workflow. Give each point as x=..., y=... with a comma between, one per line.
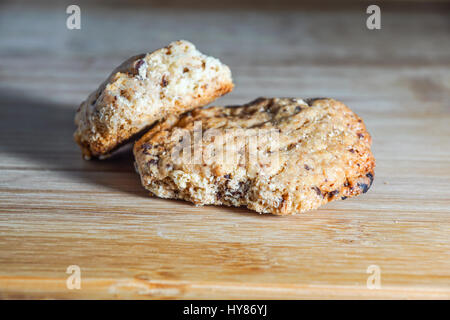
x=57, y=210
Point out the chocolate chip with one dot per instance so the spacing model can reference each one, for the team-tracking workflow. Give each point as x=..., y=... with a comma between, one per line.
x=298, y=109
x=370, y=176
x=138, y=64
x=352, y=150
x=317, y=190
x=360, y=135
x=185, y=70
x=332, y=193
x=364, y=187
x=154, y=161
x=343, y=198
x=307, y=167
x=227, y=176
x=310, y=101
x=164, y=81
x=146, y=147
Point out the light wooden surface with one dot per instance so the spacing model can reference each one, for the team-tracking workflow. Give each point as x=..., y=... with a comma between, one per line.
x=57, y=210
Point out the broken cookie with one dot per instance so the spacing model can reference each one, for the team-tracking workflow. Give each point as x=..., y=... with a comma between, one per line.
x=279, y=155
x=144, y=89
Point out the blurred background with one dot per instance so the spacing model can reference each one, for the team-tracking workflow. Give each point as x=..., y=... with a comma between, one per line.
x=274, y=48
x=266, y=43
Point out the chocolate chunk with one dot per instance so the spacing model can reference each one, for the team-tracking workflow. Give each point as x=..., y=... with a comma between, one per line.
x=317, y=190
x=370, y=176
x=332, y=193
x=310, y=101
x=364, y=187
x=164, y=82
x=137, y=65
x=146, y=147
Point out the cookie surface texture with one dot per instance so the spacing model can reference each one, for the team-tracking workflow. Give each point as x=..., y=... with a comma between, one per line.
x=273, y=155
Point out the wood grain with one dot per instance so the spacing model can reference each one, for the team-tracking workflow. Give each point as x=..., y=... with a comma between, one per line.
x=57, y=210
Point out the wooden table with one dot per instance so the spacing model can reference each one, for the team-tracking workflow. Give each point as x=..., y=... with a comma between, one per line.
x=57, y=210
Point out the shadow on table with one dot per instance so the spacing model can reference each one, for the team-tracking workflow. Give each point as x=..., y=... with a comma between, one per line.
x=37, y=134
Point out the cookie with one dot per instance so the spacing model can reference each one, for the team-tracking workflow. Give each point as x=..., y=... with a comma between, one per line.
x=144, y=89
x=280, y=155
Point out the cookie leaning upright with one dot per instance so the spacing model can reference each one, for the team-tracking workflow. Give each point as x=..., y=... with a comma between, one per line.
x=280, y=155
x=144, y=89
